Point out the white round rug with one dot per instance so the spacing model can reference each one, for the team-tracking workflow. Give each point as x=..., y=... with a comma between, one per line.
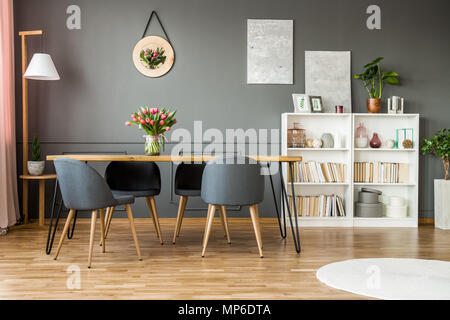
x=387, y=278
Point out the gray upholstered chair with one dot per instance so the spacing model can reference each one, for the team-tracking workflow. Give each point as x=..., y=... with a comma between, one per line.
x=232, y=181
x=83, y=188
x=138, y=179
x=188, y=183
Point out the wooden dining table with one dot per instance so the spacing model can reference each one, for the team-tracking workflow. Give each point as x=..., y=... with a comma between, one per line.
x=281, y=212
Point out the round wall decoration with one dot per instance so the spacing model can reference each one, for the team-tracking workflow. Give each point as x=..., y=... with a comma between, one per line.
x=153, y=56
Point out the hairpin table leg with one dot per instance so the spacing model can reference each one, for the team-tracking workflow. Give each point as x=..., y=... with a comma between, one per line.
x=295, y=231
x=281, y=225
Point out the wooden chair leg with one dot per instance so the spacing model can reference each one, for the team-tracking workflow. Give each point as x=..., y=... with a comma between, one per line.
x=102, y=224
x=151, y=204
x=209, y=222
x=255, y=220
x=108, y=220
x=133, y=230
x=105, y=223
x=64, y=233
x=180, y=214
x=223, y=217
x=91, y=240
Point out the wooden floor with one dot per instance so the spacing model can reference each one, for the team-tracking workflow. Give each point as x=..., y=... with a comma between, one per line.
x=178, y=272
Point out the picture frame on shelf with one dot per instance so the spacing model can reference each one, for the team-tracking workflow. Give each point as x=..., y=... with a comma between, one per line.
x=316, y=103
x=302, y=103
x=405, y=134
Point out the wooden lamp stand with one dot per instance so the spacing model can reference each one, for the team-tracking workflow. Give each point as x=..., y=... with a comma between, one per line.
x=25, y=176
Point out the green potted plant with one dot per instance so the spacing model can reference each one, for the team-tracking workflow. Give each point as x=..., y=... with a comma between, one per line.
x=374, y=81
x=36, y=166
x=439, y=145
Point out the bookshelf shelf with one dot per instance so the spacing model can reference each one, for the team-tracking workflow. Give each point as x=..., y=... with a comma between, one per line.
x=320, y=184
x=384, y=184
x=384, y=150
x=343, y=126
x=317, y=149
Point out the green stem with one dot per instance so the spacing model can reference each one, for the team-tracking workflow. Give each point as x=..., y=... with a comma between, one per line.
x=379, y=80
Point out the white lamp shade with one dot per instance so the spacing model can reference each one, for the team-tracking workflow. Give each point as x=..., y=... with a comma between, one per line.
x=41, y=67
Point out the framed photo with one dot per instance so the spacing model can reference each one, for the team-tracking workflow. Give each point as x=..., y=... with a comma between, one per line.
x=404, y=134
x=316, y=103
x=302, y=103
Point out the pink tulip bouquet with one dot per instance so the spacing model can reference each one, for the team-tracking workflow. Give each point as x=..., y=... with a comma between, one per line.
x=153, y=57
x=155, y=122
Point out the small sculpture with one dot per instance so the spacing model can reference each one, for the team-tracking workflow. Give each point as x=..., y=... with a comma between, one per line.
x=407, y=144
x=390, y=144
x=317, y=143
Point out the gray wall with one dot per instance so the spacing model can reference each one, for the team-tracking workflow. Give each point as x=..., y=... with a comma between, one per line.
x=99, y=86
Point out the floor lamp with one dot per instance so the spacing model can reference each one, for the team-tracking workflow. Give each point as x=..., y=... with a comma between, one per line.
x=41, y=67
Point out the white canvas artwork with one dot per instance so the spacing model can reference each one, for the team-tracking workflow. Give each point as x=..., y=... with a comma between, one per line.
x=270, y=51
x=328, y=74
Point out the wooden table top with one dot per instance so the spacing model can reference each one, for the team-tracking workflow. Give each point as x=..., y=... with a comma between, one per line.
x=41, y=177
x=165, y=158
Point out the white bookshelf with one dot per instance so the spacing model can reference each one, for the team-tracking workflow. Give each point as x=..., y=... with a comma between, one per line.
x=315, y=124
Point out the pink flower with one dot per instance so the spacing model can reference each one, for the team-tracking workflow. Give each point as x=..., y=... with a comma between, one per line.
x=133, y=117
x=128, y=124
x=174, y=121
x=167, y=128
x=142, y=122
x=147, y=120
x=161, y=122
x=154, y=110
x=144, y=111
x=152, y=122
x=164, y=116
x=153, y=58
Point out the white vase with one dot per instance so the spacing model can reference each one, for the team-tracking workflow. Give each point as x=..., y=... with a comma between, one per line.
x=36, y=168
x=442, y=204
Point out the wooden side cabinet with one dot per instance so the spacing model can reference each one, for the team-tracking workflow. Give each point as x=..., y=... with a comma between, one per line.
x=41, y=180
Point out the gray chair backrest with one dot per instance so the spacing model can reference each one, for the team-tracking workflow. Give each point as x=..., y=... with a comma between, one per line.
x=232, y=180
x=82, y=187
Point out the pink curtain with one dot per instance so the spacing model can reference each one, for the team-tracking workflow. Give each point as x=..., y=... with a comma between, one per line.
x=9, y=204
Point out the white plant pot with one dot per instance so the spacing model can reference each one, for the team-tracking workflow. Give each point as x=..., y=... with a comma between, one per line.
x=442, y=204
x=36, y=168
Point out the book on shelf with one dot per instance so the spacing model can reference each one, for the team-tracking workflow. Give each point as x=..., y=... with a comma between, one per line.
x=318, y=206
x=381, y=172
x=318, y=172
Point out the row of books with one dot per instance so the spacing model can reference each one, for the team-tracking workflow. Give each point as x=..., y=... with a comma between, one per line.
x=381, y=172
x=318, y=206
x=319, y=172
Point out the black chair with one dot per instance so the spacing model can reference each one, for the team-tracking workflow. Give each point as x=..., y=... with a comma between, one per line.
x=188, y=183
x=232, y=181
x=139, y=179
x=83, y=188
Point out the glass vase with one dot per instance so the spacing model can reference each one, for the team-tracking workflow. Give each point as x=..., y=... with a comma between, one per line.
x=152, y=145
x=361, y=137
x=296, y=137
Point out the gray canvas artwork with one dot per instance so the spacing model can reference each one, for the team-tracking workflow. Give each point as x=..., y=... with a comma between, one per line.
x=328, y=74
x=270, y=51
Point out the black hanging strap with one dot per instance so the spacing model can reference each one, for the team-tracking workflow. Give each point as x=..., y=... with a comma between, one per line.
x=162, y=27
